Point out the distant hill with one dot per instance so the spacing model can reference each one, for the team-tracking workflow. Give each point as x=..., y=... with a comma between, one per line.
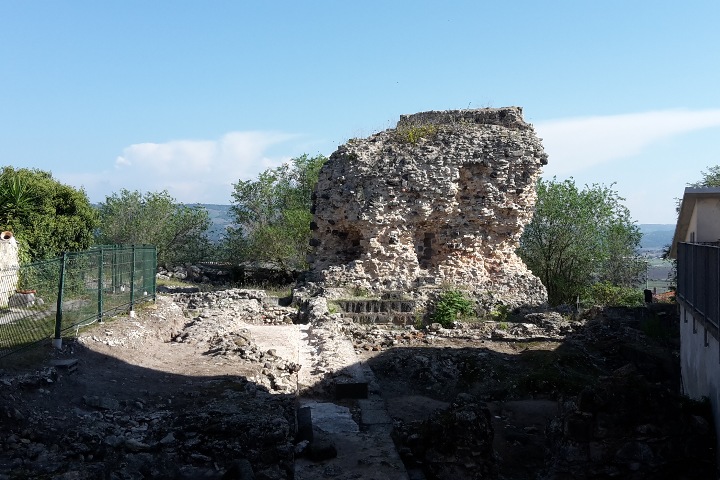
x=656, y=235
x=220, y=219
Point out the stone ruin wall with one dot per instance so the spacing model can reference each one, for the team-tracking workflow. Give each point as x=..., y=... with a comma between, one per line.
x=440, y=200
x=9, y=267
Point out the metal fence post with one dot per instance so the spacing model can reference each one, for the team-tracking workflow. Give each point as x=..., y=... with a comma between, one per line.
x=57, y=341
x=100, y=285
x=153, y=272
x=132, y=282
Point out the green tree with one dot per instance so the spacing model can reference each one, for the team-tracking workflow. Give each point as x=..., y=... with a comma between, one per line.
x=178, y=231
x=580, y=237
x=46, y=217
x=710, y=178
x=272, y=214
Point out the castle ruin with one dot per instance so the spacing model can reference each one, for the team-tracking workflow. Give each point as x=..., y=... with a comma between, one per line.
x=440, y=200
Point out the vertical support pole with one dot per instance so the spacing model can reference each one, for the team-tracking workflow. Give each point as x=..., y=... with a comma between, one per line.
x=132, y=283
x=115, y=285
x=100, y=284
x=57, y=341
x=154, y=272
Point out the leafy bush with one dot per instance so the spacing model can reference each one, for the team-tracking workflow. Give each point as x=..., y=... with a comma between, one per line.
x=46, y=216
x=607, y=294
x=580, y=235
x=449, y=305
x=272, y=215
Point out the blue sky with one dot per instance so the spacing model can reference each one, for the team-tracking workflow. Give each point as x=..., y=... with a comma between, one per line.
x=192, y=96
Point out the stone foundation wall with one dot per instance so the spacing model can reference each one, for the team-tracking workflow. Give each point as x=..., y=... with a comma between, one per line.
x=440, y=200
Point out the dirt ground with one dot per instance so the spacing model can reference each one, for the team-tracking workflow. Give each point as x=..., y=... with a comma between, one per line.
x=165, y=395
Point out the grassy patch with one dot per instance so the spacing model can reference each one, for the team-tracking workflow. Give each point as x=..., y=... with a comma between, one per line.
x=413, y=133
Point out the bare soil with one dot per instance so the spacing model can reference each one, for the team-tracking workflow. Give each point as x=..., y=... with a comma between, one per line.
x=146, y=399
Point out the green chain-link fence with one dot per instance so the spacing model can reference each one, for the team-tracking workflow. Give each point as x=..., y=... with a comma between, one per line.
x=42, y=300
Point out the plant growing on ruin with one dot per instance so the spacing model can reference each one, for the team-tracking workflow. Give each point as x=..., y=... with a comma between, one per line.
x=333, y=308
x=450, y=305
x=360, y=292
x=500, y=313
x=413, y=133
x=419, y=316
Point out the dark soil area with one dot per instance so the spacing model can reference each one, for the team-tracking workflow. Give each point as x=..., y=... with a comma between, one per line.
x=164, y=395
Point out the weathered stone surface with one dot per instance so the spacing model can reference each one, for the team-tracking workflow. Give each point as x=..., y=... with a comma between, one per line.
x=441, y=199
x=245, y=305
x=9, y=264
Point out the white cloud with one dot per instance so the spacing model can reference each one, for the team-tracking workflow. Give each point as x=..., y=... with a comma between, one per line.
x=575, y=144
x=191, y=171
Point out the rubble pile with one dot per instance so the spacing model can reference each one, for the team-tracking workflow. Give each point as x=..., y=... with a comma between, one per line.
x=183, y=436
x=243, y=305
x=626, y=427
x=453, y=444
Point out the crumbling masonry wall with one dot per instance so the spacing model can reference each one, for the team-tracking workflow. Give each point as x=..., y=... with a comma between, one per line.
x=442, y=199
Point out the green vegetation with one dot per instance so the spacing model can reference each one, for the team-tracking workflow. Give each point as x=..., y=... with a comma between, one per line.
x=413, y=133
x=579, y=237
x=451, y=304
x=605, y=293
x=46, y=217
x=273, y=214
x=710, y=178
x=178, y=231
x=360, y=293
x=419, y=316
x=333, y=308
x=500, y=313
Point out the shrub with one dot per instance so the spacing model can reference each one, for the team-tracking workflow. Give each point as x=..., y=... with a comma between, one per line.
x=413, y=133
x=449, y=305
x=500, y=313
x=606, y=294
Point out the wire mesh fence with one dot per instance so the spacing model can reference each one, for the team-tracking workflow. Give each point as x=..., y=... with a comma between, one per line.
x=44, y=299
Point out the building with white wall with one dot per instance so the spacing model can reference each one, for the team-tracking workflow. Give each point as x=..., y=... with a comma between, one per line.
x=696, y=246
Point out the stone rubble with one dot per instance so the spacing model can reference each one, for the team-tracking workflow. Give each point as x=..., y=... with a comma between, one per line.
x=190, y=434
x=629, y=424
x=244, y=305
x=626, y=427
x=455, y=443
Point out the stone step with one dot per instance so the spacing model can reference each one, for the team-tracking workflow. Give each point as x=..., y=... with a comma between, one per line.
x=399, y=319
x=376, y=306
